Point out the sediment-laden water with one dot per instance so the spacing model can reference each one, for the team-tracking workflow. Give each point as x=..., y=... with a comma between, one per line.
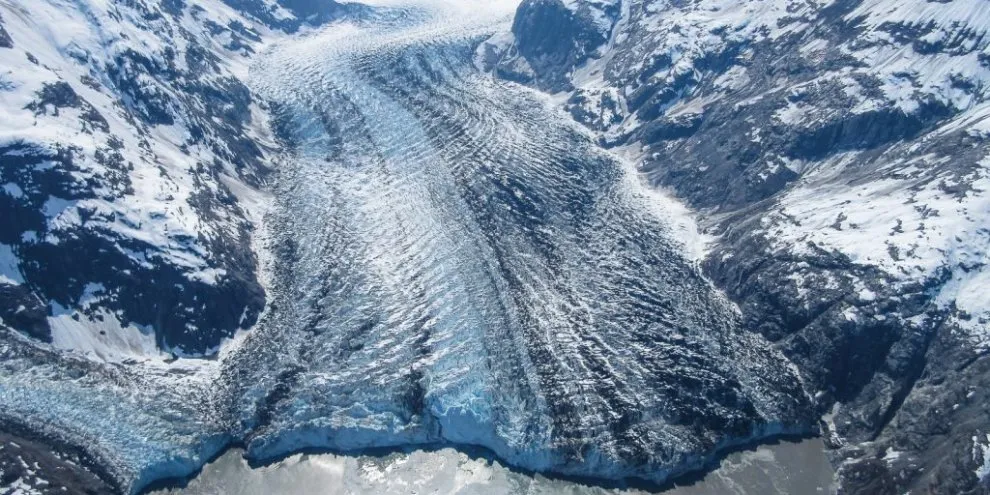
x=786, y=468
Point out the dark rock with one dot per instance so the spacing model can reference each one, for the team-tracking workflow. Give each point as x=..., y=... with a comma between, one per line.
x=552, y=39
x=23, y=310
x=32, y=463
x=5, y=41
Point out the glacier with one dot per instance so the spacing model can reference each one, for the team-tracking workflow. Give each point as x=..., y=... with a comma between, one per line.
x=450, y=260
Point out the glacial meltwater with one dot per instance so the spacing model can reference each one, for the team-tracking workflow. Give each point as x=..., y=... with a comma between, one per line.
x=791, y=468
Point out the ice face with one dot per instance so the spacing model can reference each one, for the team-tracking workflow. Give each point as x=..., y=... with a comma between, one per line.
x=453, y=262
x=139, y=424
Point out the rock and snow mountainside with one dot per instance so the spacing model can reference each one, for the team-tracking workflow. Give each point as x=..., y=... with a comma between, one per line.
x=126, y=136
x=837, y=151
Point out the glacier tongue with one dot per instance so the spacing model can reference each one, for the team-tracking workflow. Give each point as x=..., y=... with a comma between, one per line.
x=457, y=263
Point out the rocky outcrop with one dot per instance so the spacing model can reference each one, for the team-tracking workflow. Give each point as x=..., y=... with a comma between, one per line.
x=551, y=37
x=33, y=466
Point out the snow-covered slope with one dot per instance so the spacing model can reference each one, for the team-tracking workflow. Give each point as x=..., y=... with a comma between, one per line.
x=127, y=135
x=837, y=150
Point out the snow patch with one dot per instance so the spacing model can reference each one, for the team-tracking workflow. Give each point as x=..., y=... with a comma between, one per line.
x=981, y=454
x=100, y=334
x=10, y=273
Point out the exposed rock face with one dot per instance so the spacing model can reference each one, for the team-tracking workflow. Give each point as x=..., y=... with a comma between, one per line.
x=839, y=152
x=30, y=466
x=552, y=36
x=291, y=15
x=5, y=41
